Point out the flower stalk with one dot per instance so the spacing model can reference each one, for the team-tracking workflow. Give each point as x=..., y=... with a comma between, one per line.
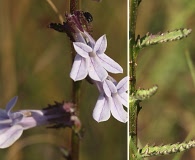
x=91, y=63
x=134, y=107
x=75, y=138
x=76, y=86
x=75, y=5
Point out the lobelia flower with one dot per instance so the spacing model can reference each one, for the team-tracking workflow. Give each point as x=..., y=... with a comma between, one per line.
x=111, y=100
x=12, y=124
x=92, y=60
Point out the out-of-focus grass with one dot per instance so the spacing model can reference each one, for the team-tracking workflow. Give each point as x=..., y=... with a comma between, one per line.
x=169, y=116
x=35, y=63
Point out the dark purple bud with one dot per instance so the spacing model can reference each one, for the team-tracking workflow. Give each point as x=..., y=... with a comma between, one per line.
x=75, y=25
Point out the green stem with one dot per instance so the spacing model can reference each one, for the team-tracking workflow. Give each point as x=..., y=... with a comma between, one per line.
x=133, y=54
x=133, y=17
x=76, y=87
x=75, y=138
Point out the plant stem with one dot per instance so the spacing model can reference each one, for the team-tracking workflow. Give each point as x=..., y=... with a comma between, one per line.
x=133, y=54
x=75, y=138
x=133, y=16
x=75, y=5
x=76, y=86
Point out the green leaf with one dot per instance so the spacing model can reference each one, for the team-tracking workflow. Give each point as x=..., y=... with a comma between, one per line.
x=150, y=39
x=142, y=94
x=149, y=151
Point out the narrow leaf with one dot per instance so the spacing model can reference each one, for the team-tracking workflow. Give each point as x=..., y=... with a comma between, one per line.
x=148, y=151
x=150, y=39
x=143, y=94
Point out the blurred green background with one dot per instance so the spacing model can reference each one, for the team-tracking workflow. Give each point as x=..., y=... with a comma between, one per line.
x=35, y=62
x=169, y=116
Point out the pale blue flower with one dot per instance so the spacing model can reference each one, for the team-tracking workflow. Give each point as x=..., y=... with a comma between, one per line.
x=12, y=124
x=91, y=60
x=111, y=100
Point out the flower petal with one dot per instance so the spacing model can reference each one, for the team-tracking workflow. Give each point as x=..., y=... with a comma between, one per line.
x=82, y=49
x=78, y=37
x=109, y=64
x=10, y=136
x=3, y=114
x=96, y=71
x=91, y=42
x=100, y=45
x=109, y=88
x=16, y=117
x=99, y=86
x=122, y=85
x=4, y=127
x=124, y=98
x=11, y=104
x=112, y=80
x=79, y=68
x=36, y=118
x=101, y=111
x=117, y=109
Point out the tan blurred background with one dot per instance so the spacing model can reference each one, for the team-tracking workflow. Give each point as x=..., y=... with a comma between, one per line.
x=169, y=116
x=35, y=63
